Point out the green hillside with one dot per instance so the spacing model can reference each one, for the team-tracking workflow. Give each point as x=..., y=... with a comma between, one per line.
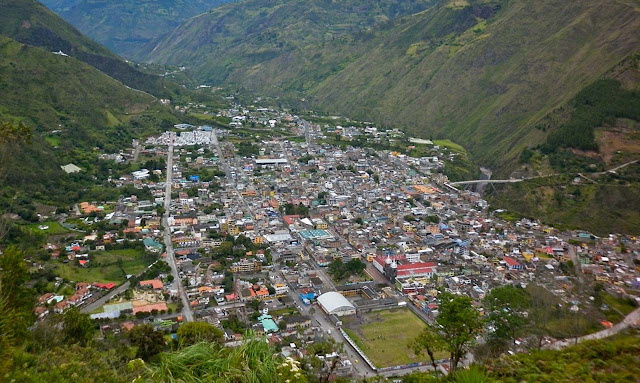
x=30, y=22
x=238, y=36
x=596, y=131
x=52, y=90
x=70, y=108
x=481, y=72
x=125, y=26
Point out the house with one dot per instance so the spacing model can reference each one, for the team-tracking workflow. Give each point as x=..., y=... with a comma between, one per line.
x=512, y=264
x=297, y=321
x=246, y=266
x=155, y=284
x=152, y=245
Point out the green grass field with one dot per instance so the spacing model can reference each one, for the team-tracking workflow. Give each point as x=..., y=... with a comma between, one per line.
x=385, y=337
x=54, y=228
x=450, y=145
x=107, y=266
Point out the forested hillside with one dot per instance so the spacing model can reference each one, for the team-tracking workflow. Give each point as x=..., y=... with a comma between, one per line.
x=590, y=155
x=482, y=72
x=237, y=36
x=30, y=22
x=68, y=107
x=126, y=25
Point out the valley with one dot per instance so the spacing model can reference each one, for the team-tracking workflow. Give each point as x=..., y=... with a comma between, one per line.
x=305, y=191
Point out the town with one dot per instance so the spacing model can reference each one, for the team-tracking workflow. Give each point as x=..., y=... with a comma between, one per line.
x=325, y=235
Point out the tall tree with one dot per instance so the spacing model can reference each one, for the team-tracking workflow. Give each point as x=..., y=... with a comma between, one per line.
x=506, y=307
x=460, y=323
x=196, y=332
x=429, y=341
x=148, y=341
x=17, y=298
x=78, y=326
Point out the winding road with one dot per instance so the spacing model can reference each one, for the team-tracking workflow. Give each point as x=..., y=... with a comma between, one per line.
x=633, y=319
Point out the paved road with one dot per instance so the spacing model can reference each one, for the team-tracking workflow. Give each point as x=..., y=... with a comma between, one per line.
x=171, y=260
x=104, y=299
x=633, y=319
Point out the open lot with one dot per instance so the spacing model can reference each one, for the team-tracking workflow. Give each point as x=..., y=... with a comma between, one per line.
x=106, y=266
x=54, y=228
x=384, y=336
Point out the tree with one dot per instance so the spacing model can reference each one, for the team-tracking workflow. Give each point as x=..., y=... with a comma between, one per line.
x=255, y=304
x=148, y=341
x=78, y=326
x=460, y=323
x=541, y=311
x=196, y=332
x=428, y=341
x=505, y=307
x=17, y=298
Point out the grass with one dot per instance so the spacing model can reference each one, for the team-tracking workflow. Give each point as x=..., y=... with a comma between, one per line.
x=509, y=216
x=107, y=266
x=54, y=228
x=285, y=311
x=617, y=308
x=52, y=140
x=385, y=336
x=450, y=145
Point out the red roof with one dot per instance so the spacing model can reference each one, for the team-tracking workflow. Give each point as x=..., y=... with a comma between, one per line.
x=289, y=219
x=510, y=261
x=107, y=286
x=383, y=259
x=149, y=308
x=419, y=265
x=155, y=283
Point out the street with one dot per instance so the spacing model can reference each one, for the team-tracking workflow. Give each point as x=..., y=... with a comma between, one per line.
x=171, y=260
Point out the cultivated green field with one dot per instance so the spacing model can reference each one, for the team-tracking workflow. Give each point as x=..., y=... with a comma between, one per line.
x=54, y=228
x=107, y=266
x=385, y=336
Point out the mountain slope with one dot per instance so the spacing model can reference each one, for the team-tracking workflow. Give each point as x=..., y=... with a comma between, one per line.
x=70, y=108
x=481, y=72
x=125, y=26
x=49, y=90
x=240, y=35
x=30, y=22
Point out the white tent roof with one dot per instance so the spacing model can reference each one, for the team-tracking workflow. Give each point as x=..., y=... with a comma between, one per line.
x=333, y=301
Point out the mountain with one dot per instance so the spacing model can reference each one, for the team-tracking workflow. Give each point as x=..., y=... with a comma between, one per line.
x=238, y=36
x=51, y=90
x=481, y=72
x=585, y=175
x=126, y=25
x=70, y=108
x=30, y=22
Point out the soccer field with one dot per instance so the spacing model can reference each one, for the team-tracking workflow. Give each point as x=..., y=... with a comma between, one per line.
x=384, y=336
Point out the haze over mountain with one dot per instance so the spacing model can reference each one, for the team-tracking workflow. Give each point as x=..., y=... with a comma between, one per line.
x=481, y=72
x=125, y=25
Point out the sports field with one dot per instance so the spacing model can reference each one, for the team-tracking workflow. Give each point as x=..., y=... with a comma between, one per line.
x=384, y=336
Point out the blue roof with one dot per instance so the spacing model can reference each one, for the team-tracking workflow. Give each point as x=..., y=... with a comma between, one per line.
x=267, y=323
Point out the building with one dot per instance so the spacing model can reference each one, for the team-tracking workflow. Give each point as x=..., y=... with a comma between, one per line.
x=246, y=266
x=399, y=267
x=334, y=303
x=295, y=322
x=512, y=264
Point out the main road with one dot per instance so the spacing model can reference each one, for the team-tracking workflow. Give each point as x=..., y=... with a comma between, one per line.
x=171, y=260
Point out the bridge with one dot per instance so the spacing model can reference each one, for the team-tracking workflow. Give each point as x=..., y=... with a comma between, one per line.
x=514, y=180
x=490, y=181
